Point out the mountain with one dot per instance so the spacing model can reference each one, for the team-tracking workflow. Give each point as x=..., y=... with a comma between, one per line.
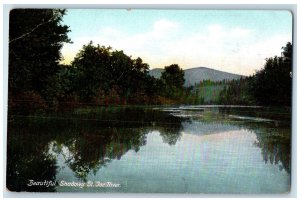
x=197, y=74
x=156, y=73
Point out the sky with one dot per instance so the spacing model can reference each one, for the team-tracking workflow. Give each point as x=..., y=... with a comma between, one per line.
x=235, y=41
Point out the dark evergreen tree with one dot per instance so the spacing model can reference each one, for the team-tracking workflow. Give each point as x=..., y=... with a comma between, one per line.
x=273, y=84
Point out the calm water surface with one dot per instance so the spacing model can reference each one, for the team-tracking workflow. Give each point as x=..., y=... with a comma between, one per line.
x=185, y=149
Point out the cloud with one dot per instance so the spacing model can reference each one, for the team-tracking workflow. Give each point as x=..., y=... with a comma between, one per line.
x=143, y=44
x=239, y=32
x=216, y=30
x=235, y=49
x=164, y=26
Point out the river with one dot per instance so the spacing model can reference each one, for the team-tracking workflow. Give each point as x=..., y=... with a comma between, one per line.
x=178, y=149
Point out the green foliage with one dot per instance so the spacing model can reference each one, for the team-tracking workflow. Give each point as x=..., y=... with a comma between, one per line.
x=173, y=75
x=236, y=92
x=273, y=84
x=35, y=39
x=99, y=75
x=173, y=80
x=107, y=76
x=208, y=91
x=91, y=69
x=28, y=102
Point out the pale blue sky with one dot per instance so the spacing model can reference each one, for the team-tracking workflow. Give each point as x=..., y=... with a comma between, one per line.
x=228, y=40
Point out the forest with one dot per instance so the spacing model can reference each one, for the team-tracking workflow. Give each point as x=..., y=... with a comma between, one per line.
x=100, y=75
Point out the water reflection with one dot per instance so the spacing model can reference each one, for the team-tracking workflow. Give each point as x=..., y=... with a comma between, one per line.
x=90, y=150
x=90, y=140
x=86, y=143
x=275, y=147
x=272, y=129
x=27, y=159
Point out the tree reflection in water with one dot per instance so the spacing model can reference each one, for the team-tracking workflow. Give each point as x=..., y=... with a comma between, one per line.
x=273, y=135
x=89, y=140
x=275, y=147
x=89, y=151
x=27, y=159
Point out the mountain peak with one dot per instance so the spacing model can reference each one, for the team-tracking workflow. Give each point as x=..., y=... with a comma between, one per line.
x=197, y=74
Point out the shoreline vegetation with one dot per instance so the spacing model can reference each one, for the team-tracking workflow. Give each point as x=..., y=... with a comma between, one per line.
x=102, y=76
x=104, y=117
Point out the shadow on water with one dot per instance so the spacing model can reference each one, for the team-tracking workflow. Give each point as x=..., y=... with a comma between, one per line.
x=86, y=140
x=272, y=128
x=89, y=138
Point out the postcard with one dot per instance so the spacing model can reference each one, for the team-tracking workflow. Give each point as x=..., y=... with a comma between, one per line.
x=149, y=101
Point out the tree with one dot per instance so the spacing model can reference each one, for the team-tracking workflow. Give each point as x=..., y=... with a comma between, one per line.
x=236, y=92
x=92, y=71
x=287, y=51
x=273, y=84
x=101, y=72
x=122, y=72
x=173, y=80
x=140, y=66
x=35, y=39
x=173, y=75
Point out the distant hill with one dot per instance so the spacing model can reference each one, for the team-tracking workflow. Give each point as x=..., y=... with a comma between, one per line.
x=156, y=73
x=197, y=74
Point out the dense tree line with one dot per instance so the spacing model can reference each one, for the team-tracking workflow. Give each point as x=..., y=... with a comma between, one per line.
x=236, y=92
x=99, y=75
x=207, y=91
x=35, y=39
x=270, y=86
x=104, y=76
